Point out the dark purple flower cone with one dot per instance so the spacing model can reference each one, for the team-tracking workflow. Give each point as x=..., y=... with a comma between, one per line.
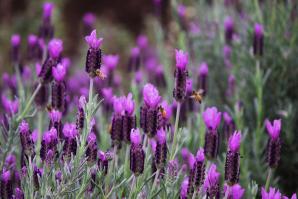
x=70, y=147
x=149, y=120
x=91, y=153
x=179, y=92
x=80, y=119
x=36, y=174
x=58, y=95
x=128, y=123
x=211, y=144
x=232, y=167
x=46, y=31
x=203, y=83
x=137, y=159
x=273, y=152
x=116, y=131
x=45, y=75
x=41, y=99
x=6, y=188
x=103, y=165
x=93, y=61
x=160, y=155
x=213, y=192
x=58, y=126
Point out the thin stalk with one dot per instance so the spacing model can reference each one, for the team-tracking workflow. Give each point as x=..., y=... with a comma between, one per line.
x=21, y=90
x=174, y=145
x=39, y=126
x=22, y=115
x=268, y=179
x=155, y=181
x=115, y=159
x=126, y=164
x=194, y=194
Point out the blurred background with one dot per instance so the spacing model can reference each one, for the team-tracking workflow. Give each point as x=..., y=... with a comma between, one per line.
x=201, y=31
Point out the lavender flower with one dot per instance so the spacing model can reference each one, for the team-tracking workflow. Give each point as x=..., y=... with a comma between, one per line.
x=181, y=74
x=41, y=99
x=11, y=107
x=258, y=40
x=15, y=52
x=128, y=119
x=91, y=151
x=6, y=188
x=184, y=188
x=48, y=145
x=149, y=111
x=19, y=194
x=203, y=77
x=58, y=87
x=35, y=48
x=93, y=59
x=232, y=166
x=234, y=192
x=117, y=121
x=229, y=29
x=211, y=118
x=80, y=119
x=55, y=122
x=26, y=140
x=134, y=61
x=211, y=183
x=161, y=149
x=137, y=154
x=294, y=196
x=272, y=194
x=274, y=143
x=55, y=48
x=70, y=144
x=103, y=162
x=46, y=30
x=89, y=22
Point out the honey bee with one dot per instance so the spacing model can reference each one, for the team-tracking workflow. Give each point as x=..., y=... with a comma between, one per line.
x=49, y=108
x=110, y=128
x=100, y=74
x=162, y=111
x=197, y=95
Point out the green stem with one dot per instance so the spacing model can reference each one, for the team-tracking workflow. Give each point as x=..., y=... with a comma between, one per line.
x=155, y=181
x=39, y=123
x=268, y=179
x=126, y=164
x=174, y=145
x=21, y=90
x=22, y=115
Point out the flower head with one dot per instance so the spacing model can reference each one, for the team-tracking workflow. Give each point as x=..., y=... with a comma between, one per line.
x=82, y=102
x=69, y=130
x=93, y=41
x=15, y=40
x=142, y=41
x=258, y=30
x=151, y=95
x=203, y=69
x=47, y=10
x=135, y=136
x=118, y=104
x=294, y=196
x=6, y=176
x=272, y=194
x=55, y=48
x=89, y=18
x=91, y=139
x=161, y=136
x=50, y=135
x=24, y=127
x=212, y=118
x=273, y=129
x=235, y=191
x=9, y=105
x=135, y=51
x=183, y=189
x=153, y=145
x=32, y=40
x=111, y=61
x=227, y=118
x=234, y=141
x=181, y=59
x=59, y=72
x=129, y=104
x=200, y=155
x=212, y=177
x=181, y=10
x=55, y=115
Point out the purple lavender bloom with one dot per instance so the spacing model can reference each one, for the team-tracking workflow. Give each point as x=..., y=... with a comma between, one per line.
x=181, y=10
x=10, y=161
x=229, y=125
x=272, y=194
x=134, y=61
x=91, y=151
x=274, y=143
x=181, y=74
x=6, y=189
x=110, y=61
x=93, y=59
x=70, y=144
x=25, y=137
x=137, y=154
x=203, y=77
x=103, y=162
x=59, y=88
x=232, y=165
x=55, y=121
x=11, y=107
x=149, y=112
x=229, y=29
x=55, y=47
x=80, y=118
x=35, y=48
x=47, y=10
x=234, y=192
x=142, y=41
x=231, y=85
x=258, y=40
x=183, y=189
x=161, y=149
x=117, y=127
x=212, y=118
x=48, y=145
x=15, y=52
x=294, y=196
x=129, y=119
x=89, y=19
x=211, y=183
x=19, y=194
x=59, y=72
